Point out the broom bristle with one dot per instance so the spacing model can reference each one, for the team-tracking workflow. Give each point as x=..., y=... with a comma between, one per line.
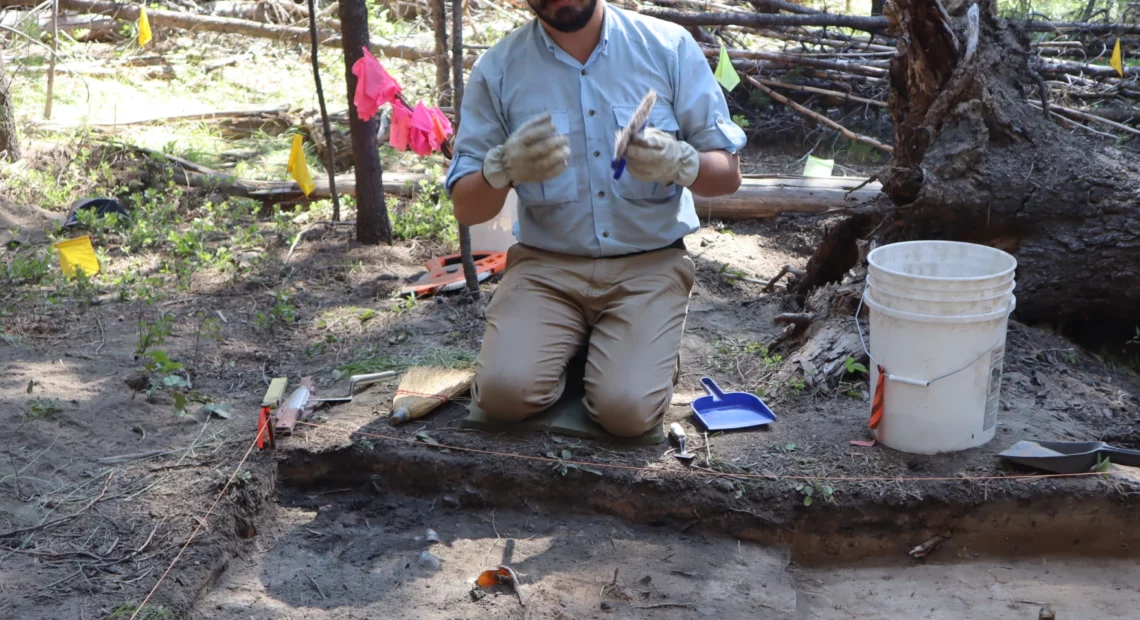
x=424, y=388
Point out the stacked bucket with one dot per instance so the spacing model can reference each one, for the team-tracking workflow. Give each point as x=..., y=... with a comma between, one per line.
x=939, y=312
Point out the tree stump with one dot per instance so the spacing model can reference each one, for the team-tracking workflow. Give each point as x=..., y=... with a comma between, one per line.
x=975, y=162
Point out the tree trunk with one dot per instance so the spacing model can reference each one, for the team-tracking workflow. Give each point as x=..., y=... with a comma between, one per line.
x=9, y=140
x=372, y=223
x=974, y=161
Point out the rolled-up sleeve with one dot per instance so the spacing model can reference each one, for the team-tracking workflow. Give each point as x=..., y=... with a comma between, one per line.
x=700, y=105
x=481, y=127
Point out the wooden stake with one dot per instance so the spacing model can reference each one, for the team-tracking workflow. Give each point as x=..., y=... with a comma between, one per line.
x=331, y=149
x=465, y=255
x=51, y=65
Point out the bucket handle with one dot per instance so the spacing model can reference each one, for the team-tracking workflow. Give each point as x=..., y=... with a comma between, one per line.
x=899, y=378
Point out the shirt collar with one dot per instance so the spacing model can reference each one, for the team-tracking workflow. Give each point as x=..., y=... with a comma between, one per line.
x=603, y=45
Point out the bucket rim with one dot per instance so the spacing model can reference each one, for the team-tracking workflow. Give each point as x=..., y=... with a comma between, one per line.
x=1005, y=292
x=934, y=318
x=901, y=274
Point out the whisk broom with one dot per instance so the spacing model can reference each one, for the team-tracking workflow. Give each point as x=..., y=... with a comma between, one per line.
x=424, y=388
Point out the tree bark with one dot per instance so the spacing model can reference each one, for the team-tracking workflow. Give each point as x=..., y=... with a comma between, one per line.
x=372, y=223
x=9, y=139
x=975, y=161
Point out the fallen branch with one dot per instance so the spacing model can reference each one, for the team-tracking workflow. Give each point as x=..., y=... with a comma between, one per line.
x=872, y=24
x=865, y=68
x=1087, y=117
x=187, y=21
x=764, y=20
x=823, y=91
x=819, y=117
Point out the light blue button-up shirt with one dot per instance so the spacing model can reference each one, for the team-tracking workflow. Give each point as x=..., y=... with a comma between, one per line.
x=584, y=211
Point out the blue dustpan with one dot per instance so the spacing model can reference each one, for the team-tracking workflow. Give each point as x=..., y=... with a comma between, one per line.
x=720, y=411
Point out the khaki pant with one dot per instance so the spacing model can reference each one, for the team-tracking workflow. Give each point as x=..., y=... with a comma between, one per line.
x=629, y=311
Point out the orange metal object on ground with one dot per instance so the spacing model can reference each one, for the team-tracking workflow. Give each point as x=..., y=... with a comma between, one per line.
x=445, y=273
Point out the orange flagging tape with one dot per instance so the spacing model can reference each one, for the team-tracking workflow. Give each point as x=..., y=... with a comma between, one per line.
x=697, y=472
x=877, y=402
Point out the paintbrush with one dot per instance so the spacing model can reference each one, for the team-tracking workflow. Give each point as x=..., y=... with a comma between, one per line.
x=424, y=388
x=626, y=134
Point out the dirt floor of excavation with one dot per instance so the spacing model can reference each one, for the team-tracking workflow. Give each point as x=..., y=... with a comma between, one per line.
x=339, y=556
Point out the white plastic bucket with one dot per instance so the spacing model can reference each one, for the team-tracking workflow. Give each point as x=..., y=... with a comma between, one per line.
x=943, y=377
x=920, y=303
x=498, y=234
x=941, y=266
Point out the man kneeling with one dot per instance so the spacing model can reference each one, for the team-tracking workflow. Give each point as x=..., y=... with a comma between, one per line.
x=601, y=263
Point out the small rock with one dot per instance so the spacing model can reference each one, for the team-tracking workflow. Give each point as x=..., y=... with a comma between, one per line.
x=646, y=580
x=707, y=612
x=450, y=501
x=429, y=561
x=431, y=536
x=477, y=594
x=606, y=606
x=1046, y=614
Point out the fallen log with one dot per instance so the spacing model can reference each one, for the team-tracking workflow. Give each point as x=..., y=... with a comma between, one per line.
x=757, y=198
x=187, y=21
x=188, y=116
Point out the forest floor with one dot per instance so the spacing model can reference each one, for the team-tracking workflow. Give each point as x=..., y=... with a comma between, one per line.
x=101, y=484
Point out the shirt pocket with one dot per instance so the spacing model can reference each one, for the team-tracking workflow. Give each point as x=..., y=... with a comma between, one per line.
x=562, y=188
x=627, y=186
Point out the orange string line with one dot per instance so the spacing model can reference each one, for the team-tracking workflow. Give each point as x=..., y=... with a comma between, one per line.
x=202, y=521
x=699, y=472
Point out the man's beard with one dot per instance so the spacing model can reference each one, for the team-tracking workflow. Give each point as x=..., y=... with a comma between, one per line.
x=565, y=19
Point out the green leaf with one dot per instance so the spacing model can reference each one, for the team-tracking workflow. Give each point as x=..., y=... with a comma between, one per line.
x=807, y=500
x=589, y=470
x=567, y=455
x=426, y=438
x=220, y=410
x=790, y=447
x=809, y=491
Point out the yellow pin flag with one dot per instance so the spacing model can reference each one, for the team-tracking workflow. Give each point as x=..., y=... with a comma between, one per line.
x=144, y=27
x=725, y=73
x=299, y=168
x=1117, y=60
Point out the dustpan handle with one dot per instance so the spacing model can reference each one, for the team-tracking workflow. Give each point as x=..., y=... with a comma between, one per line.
x=1122, y=456
x=712, y=388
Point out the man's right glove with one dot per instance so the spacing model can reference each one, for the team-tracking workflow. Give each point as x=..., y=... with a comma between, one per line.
x=535, y=152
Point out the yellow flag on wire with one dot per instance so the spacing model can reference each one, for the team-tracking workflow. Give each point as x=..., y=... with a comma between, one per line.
x=725, y=73
x=144, y=27
x=299, y=168
x=1117, y=60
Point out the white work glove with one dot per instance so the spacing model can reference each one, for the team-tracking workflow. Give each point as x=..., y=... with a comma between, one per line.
x=535, y=152
x=654, y=155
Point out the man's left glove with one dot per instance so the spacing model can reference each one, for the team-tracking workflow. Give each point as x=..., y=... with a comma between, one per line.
x=654, y=155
